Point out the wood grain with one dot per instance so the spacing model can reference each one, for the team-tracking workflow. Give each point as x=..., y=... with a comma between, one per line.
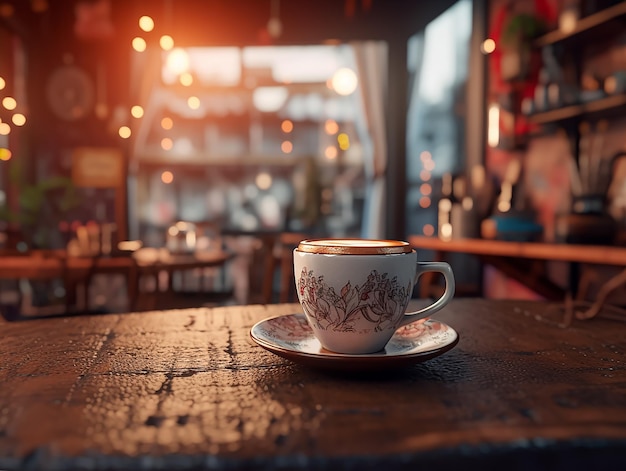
x=188, y=389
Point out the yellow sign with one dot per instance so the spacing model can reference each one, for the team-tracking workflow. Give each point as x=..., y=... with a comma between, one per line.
x=97, y=167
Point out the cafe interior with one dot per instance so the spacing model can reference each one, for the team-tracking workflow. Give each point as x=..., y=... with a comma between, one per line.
x=172, y=153
x=165, y=164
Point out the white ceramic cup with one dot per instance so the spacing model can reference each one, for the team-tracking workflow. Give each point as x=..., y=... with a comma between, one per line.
x=354, y=292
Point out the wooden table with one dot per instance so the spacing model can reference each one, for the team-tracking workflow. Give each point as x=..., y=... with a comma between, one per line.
x=523, y=261
x=188, y=389
x=77, y=272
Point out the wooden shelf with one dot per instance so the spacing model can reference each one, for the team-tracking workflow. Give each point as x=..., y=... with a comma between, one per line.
x=603, y=105
x=587, y=25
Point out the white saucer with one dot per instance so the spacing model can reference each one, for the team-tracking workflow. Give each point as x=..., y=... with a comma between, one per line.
x=291, y=337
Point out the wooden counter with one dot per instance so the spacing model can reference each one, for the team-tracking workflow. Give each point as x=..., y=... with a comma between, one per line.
x=523, y=261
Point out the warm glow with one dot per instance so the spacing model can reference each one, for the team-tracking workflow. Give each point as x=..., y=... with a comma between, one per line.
x=493, y=126
x=446, y=231
x=263, y=181
x=428, y=230
x=425, y=175
x=39, y=6
x=488, y=46
x=425, y=202
x=5, y=129
x=166, y=143
x=139, y=44
x=124, y=132
x=331, y=127
x=193, y=102
x=286, y=126
x=286, y=147
x=568, y=20
x=5, y=154
x=344, y=141
x=166, y=42
x=146, y=23
x=2, y=83
x=445, y=205
x=344, y=81
x=331, y=152
x=504, y=206
x=18, y=119
x=167, y=123
x=136, y=111
x=425, y=156
x=9, y=103
x=186, y=79
x=426, y=189
x=177, y=61
x=6, y=10
x=167, y=177
x=429, y=165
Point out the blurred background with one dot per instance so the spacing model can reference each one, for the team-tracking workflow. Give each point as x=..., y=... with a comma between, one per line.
x=235, y=120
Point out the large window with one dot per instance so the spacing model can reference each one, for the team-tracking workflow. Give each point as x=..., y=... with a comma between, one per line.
x=438, y=63
x=256, y=138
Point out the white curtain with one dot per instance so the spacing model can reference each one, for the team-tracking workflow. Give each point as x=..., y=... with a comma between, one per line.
x=371, y=63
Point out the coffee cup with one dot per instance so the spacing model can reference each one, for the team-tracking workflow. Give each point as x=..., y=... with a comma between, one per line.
x=355, y=292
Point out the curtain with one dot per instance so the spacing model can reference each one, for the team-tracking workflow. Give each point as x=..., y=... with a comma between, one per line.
x=371, y=64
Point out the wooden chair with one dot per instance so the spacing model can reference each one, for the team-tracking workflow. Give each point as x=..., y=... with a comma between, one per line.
x=280, y=258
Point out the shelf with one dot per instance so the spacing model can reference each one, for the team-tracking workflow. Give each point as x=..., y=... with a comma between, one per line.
x=603, y=105
x=587, y=25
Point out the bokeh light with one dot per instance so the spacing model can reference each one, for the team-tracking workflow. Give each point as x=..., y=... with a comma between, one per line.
x=286, y=147
x=344, y=81
x=344, y=141
x=166, y=42
x=488, y=46
x=263, y=180
x=18, y=119
x=9, y=103
x=167, y=123
x=193, y=102
x=331, y=152
x=286, y=126
x=5, y=154
x=167, y=177
x=428, y=230
x=167, y=143
x=136, y=111
x=139, y=44
x=186, y=79
x=146, y=23
x=331, y=127
x=124, y=132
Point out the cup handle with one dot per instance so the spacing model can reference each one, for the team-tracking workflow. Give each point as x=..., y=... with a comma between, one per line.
x=440, y=267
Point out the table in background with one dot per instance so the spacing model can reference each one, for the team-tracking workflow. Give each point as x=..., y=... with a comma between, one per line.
x=509, y=257
x=188, y=389
x=77, y=272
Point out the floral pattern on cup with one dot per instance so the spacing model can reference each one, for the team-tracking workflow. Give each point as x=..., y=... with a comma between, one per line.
x=379, y=301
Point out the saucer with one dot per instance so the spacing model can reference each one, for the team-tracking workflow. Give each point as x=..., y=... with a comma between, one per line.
x=291, y=337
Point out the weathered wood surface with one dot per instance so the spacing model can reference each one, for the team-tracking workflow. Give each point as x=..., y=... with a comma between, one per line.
x=188, y=389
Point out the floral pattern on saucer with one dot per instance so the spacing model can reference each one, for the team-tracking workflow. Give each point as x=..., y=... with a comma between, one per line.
x=291, y=337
